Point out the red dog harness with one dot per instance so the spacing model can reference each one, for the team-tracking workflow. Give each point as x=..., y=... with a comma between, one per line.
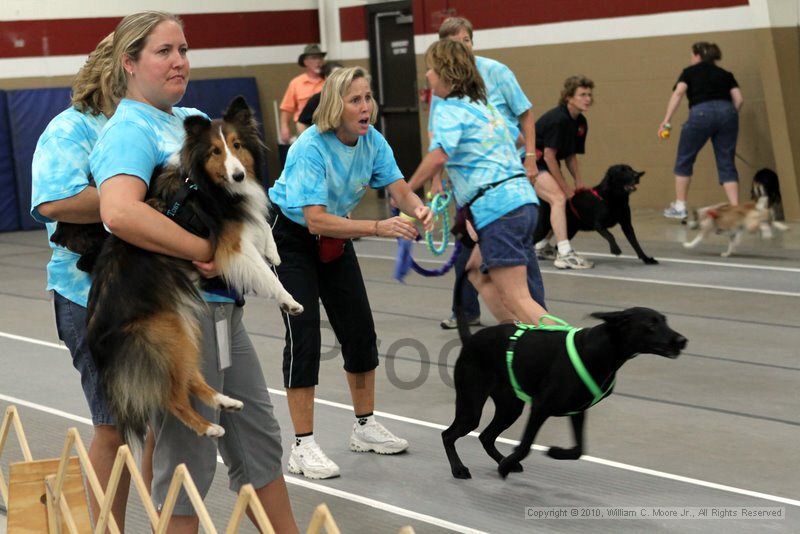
x=572, y=206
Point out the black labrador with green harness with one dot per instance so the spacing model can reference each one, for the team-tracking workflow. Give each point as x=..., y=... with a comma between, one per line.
x=559, y=370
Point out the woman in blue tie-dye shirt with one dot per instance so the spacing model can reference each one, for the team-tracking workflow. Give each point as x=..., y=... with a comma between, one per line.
x=150, y=73
x=61, y=191
x=478, y=148
x=327, y=172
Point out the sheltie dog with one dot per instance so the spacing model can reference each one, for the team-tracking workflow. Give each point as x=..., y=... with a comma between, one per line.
x=143, y=329
x=735, y=220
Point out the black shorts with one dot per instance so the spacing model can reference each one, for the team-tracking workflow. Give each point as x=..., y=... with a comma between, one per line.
x=340, y=286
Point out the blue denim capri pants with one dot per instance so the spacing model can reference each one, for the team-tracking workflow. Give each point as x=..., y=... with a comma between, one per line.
x=717, y=120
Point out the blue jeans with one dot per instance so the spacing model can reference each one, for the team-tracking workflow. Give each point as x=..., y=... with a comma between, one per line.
x=508, y=241
x=717, y=120
x=71, y=326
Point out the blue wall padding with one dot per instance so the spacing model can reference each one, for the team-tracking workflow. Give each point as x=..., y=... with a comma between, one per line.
x=9, y=214
x=30, y=110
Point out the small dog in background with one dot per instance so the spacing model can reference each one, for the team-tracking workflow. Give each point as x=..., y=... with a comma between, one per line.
x=767, y=179
x=735, y=220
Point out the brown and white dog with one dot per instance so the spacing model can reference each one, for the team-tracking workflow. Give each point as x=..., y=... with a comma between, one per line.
x=143, y=307
x=735, y=221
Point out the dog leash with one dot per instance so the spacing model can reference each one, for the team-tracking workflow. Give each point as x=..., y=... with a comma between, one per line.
x=439, y=206
x=560, y=326
x=572, y=206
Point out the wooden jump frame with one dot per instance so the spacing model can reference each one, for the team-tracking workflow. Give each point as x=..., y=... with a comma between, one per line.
x=61, y=515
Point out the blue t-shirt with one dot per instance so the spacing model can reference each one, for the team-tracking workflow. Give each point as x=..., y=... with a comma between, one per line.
x=320, y=170
x=60, y=170
x=502, y=91
x=138, y=140
x=481, y=151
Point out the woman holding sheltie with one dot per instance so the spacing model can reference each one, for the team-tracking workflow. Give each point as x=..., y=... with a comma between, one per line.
x=327, y=172
x=477, y=147
x=150, y=73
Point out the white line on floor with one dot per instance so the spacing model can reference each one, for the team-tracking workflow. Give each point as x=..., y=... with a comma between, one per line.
x=627, y=279
x=298, y=481
x=428, y=424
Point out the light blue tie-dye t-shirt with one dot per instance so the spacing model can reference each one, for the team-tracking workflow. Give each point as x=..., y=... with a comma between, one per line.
x=502, y=91
x=60, y=170
x=138, y=140
x=320, y=170
x=481, y=151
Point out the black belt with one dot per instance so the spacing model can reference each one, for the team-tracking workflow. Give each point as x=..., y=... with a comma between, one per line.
x=486, y=188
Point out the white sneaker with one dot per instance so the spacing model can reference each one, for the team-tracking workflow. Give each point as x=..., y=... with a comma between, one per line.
x=374, y=437
x=311, y=462
x=673, y=212
x=571, y=260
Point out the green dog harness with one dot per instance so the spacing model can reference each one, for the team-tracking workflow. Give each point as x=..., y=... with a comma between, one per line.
x=572, y=351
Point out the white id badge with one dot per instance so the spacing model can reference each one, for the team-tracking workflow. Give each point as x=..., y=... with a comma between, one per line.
x=223, y=339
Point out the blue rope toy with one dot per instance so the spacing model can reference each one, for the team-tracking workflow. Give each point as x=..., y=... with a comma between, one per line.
x=405, y=262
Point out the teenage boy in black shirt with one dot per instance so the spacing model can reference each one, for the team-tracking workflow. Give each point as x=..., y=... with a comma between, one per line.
x=561, y=135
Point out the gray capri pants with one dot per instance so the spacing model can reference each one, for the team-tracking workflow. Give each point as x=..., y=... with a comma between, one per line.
x=251, y=446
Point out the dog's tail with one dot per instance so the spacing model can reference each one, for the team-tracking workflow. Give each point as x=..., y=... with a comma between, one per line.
x=135, y=389
x=461, y=318
x=136, y=368
x=141, y=343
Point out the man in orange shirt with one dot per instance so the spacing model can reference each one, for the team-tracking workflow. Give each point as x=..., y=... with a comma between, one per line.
x=301, y=89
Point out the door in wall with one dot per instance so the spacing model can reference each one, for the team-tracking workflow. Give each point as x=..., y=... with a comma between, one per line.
x=394, y=79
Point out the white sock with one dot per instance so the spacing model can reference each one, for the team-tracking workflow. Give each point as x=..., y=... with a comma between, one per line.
x=542, y=244
x=365, y=420
x=679, y=205
x=564, y=247
x=304, y=440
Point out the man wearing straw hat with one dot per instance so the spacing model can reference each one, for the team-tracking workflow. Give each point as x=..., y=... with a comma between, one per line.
x=300, y=89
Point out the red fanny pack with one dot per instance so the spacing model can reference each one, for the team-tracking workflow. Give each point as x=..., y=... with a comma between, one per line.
x=330, y=248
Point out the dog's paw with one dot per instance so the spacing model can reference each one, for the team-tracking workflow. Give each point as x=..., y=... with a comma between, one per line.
x=507, y=466
x=290, y=306
x=224, y=402
x=650, y=261
x=688, y=245
x=461, y=473
x=559, y=453
x=515, y=468
x=272, y=256
x=615, y=250
x=214, y=431
x=725, y=254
